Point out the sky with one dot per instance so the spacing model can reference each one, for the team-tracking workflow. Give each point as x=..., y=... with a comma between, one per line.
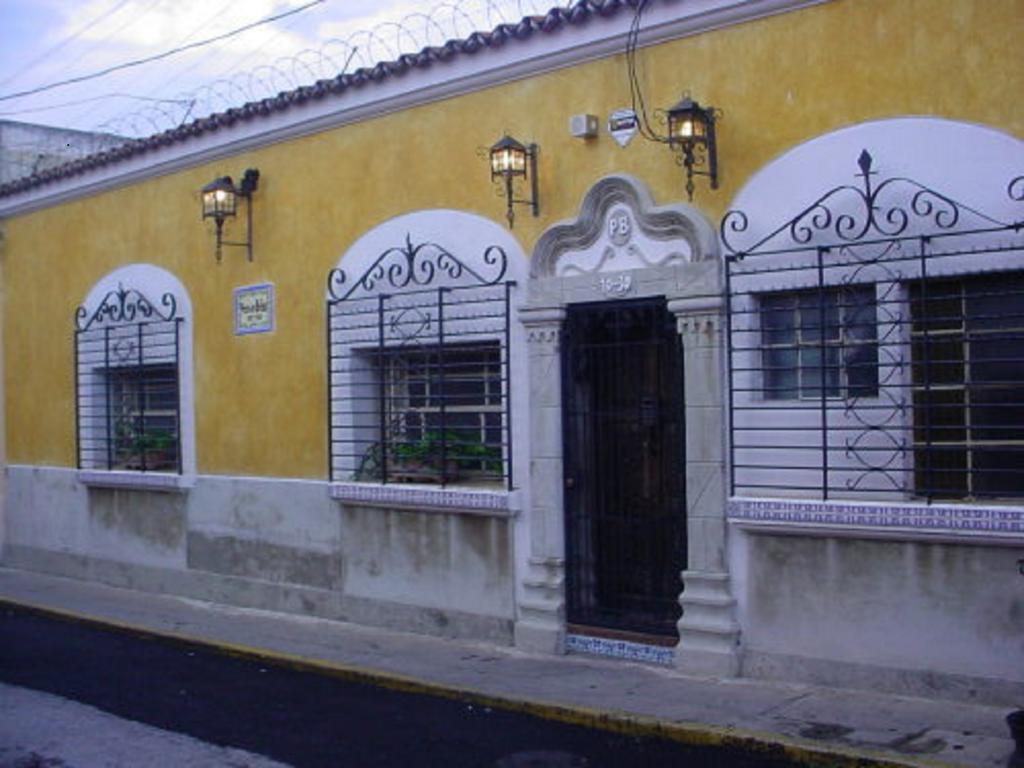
x=45, y=42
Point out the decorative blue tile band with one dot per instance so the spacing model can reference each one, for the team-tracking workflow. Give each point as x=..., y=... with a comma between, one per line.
x=496, y=503
x=926, y=517
x=620, y=649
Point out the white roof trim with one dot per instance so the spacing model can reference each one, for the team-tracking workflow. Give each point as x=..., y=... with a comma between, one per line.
x=666, y=20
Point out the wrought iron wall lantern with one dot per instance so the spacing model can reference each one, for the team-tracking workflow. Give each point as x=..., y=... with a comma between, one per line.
x=220, y=202
x=691, y=134
x=511, y=160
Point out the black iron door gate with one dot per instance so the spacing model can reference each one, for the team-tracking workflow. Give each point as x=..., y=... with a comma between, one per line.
x=624, y=466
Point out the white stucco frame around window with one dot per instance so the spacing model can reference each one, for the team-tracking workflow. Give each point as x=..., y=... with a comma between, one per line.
x=142, y=285
x=621, y=247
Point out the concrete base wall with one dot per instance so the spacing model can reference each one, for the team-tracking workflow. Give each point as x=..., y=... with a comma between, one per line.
x=271, y=544
x=907, y=617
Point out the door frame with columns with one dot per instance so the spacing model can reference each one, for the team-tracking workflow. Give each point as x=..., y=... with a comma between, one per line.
x=624, y=246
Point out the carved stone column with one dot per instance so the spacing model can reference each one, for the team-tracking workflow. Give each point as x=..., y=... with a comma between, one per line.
x=541, y=623
x=708, y=631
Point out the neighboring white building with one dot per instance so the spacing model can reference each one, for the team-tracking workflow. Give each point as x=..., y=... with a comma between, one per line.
x=28, y=148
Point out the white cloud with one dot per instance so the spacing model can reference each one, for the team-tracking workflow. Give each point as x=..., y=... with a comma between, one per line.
x=87, y=36
x=143, y=28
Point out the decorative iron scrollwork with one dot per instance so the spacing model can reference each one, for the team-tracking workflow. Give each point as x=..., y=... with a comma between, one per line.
x=409, y=324
x=914, y=251
x=1015, y=191
x=417, y=266
x=852, y=214
x=126, y=305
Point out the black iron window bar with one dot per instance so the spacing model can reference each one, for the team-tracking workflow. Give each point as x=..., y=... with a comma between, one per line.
x=128, y=405
x=419, y=370
x=929, y=404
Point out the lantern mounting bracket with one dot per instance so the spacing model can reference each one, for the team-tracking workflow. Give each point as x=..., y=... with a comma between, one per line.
x=510, y=159
x=691, y=135
x=220, y=203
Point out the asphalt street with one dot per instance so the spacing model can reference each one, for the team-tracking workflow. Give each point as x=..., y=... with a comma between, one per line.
x=304, y=718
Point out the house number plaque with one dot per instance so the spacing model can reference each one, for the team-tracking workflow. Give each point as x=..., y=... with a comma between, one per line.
x=616, y=285
x=254, y=309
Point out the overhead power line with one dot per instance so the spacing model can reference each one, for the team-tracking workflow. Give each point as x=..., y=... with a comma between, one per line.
x=90, y=100
x=159, y=56
x=70, y=38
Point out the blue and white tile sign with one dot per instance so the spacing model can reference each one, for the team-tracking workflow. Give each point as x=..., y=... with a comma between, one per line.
x=254, y=309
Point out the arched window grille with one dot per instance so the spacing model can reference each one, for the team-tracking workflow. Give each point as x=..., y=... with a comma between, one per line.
x=419, y=368
x=876, y=347
x=127, y=393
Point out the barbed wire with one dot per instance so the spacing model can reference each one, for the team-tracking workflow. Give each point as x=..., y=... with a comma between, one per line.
x=454, y=19
x=42, y=148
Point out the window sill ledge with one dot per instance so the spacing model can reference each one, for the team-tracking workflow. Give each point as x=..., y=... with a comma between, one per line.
x=903, y=521
x=425, y=498
x=141, y=481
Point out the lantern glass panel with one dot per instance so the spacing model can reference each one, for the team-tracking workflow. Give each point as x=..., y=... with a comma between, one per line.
x=219, y=200
x=688, y=126
x=508, y=160
x=508, y=157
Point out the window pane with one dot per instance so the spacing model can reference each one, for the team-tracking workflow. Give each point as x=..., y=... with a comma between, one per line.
x=841, y=355
x=494, y=387
x=995, y=303
x=861, y=322
x=417, y=391
x=936, y=305
x=997, y=413
x=861, y=361
x=778, y=322
x=939, y=416
x=938, y=360
x=780, y=374
x=463, y=390
x=814, y=306
x=811, y=371
x=832, y=371
x=142, y=418
x=461, y=421
x=975, y=409
x=997, y=471
x=162, y=395
x=941, y=471
x=439, y=403
x=997, y=358
x=492, y=431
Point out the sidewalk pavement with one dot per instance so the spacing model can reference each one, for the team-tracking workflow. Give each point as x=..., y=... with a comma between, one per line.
x=812, y=725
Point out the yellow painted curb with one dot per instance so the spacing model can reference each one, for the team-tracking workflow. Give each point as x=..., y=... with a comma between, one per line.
x=757, y=743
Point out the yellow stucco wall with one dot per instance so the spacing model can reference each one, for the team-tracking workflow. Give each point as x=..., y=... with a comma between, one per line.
x=260, y=400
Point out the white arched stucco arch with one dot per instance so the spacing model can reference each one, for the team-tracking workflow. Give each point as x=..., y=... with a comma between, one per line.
x=877, y=452
x=390, y=296
x=467, y=235
x=969, y=162
x=129, y=295
x=404, y=261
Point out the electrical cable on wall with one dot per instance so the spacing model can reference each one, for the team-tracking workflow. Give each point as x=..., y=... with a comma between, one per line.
x=635, y=91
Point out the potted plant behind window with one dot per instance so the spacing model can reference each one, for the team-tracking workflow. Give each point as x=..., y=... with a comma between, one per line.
x=427, y=460
x=159, y=448
x=137, y=449
x=420, y=461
